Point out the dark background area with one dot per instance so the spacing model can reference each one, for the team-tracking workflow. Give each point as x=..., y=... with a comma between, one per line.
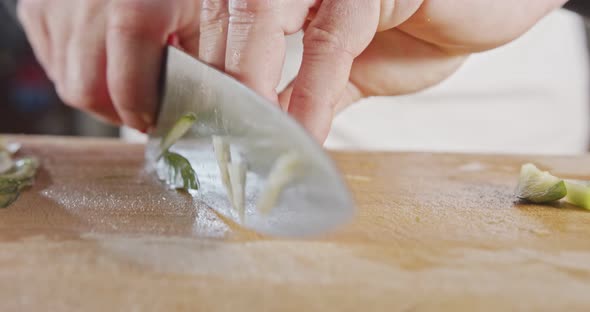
x=28, y=102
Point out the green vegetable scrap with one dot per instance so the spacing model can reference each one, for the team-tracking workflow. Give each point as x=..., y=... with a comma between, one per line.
x=14, y=175
x=178, y=171
x=578, y=193
x=6, y=162
x=180, y=168
x=6, y=199
x=180, y=128
x=539, y=186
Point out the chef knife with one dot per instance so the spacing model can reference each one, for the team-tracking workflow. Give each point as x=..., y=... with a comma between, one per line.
x=316, y=200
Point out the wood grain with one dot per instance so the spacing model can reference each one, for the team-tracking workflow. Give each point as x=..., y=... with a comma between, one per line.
x=434, y=232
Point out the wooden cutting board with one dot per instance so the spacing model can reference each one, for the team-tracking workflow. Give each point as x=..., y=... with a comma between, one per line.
x=434, y=232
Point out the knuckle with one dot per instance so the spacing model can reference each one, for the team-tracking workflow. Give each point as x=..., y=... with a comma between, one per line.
x=214, y=7
x=213, y=13
x=248, y=7
x=137, y=18
x=303, y=95
x=318, y=40
x=392, y=14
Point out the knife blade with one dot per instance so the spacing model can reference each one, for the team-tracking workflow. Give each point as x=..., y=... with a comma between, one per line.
x=258, y=133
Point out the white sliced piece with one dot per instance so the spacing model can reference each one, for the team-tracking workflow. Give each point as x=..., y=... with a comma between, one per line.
x=282, y=173
x=223, y=156
x=6, y=162
x=237, y=175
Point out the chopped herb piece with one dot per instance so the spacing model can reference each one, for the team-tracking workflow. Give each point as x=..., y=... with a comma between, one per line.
x=179, y=129
x=19, y=176
x=179, y=172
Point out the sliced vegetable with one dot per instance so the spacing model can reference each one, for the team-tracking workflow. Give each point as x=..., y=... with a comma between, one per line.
x=539, y=186
x=578, y=193
x=179, y=129
x=173, y=168
x=17, y=178
x=282, y=173
x=9, y=192
x=179, y=173
x=237, y=175
x=8, y=186
x=223, y=157
x=6, y=199
x=5, y=162
x=11, y=185
x=10, y=147
x=24, y=169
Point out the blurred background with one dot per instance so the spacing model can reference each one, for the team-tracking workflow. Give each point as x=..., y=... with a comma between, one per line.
x=28, y=102
x=530, y=96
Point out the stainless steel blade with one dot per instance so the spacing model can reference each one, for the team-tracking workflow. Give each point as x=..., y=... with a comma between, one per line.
x=259, y=132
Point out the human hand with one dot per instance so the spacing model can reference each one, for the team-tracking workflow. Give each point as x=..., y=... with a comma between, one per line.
x=104, y=56
x=355, y=49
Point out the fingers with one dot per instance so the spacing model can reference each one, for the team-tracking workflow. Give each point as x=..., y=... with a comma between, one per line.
x=105, y=56
x=341, y=30
x=136, y=35
x=255, y=45
x=351, y=94
x=189, y=39
x=394, y=13
x=295, y=13
x=246, y=38
x=475, y=26
x=83, y=82
x=213, y=27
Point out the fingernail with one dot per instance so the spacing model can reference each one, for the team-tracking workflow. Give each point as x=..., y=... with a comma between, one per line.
x=135, y=120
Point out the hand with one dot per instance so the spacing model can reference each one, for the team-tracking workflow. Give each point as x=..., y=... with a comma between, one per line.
x=355, y=49
x=104, y=56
